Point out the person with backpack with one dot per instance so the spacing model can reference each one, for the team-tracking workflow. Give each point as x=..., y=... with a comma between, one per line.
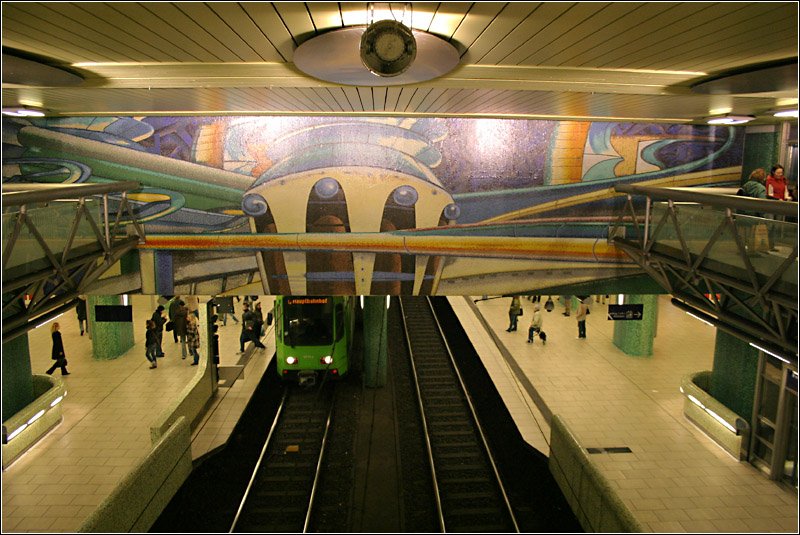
x=536, y=325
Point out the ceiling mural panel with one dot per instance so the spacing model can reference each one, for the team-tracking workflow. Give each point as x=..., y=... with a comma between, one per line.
x=375, y=205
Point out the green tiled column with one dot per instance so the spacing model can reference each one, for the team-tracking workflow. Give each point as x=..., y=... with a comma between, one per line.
x=733, y=378
x=635, y=337
x=17, y=382
x=109, y=339
x=375, y=348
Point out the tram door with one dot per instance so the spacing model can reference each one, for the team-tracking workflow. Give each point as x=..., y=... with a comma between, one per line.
x=774, y=445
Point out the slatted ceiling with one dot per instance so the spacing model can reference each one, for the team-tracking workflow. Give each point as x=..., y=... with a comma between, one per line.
x=447, y=18
x=480, y=15
x=69, y=24
x=161, y=32
x=295, y=17
x=273, y=28
x=670, y=53
x=524, y=32
x=392, y=95
x=595, y=43
x=505, y=21
x=704, y=50
x=47, y=39
x=324, y=15
x=256, y=46
x=353, y=13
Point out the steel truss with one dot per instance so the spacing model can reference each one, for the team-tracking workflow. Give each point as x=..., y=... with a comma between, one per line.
x=750, y=306
x=36, y=296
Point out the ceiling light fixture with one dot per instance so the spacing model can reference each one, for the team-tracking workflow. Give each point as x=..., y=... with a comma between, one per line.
x=787, y=112
x=730, y=119
x=23, y=111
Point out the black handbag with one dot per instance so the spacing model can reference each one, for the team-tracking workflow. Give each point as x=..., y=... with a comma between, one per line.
x=520, y=312
x=169, y=326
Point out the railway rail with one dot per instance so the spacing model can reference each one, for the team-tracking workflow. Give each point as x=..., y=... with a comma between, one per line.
x=281, y=492
x=468, y=490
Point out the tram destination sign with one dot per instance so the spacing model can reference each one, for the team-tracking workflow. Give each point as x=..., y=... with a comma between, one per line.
x=625, y=312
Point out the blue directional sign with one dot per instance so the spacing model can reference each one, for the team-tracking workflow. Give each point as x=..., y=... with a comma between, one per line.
x=625, y=312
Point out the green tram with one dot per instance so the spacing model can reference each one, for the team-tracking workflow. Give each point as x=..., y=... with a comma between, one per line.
x=313, y=336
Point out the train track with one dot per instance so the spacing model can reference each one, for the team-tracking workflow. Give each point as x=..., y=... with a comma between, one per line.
x=468, y=490
x=282, y=488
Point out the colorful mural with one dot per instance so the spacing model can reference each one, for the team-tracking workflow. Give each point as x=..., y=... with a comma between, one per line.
x=351, y=205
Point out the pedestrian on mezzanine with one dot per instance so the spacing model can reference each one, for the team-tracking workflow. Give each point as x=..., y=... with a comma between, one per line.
x=514, y=311
x=57, y=353
x=179, y=322
x=80, y=310
x=193, y=338
x=159, y=320
x=151, y=343
x=580, y=316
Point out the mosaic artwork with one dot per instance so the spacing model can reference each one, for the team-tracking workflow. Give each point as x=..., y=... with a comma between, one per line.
x=346, y=205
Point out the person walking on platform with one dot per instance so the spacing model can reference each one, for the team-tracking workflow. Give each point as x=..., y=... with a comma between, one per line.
x=514, y=312
x=536, y=325
x=179, y=325
x=151, y=343
x=193, y=338
x=580, y=315
x=247, y=325
x=259, y=321
x=80, y=310
x=159, y=320
x=567, y=305
x=171, y=310
x=57, y=353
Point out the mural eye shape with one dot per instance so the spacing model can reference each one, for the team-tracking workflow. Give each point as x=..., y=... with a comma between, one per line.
x=405, y=196
x=254, y=204
x=452, y=211
x=326, y=188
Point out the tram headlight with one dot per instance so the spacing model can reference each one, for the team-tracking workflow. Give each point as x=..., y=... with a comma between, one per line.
x=291, y=360
x=326, y=360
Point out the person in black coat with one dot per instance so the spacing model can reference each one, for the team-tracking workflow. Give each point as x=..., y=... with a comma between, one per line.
x=58, y=352
x=80, y=310
x=159, y=320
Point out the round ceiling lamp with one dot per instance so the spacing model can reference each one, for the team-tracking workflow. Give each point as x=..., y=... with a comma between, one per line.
x=388, y=48
x=392, y=54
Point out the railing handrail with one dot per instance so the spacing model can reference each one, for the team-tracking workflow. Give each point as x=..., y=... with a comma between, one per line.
x=734, y=202
x=21, y=193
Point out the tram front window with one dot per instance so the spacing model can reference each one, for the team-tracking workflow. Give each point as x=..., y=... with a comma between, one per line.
x=308, y=322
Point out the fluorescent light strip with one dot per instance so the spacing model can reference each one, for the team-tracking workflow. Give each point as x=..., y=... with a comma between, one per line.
x=36, y=417
x=701, y=319
x=48, y=321
x=770, y=353
x=19, y=430
x=718, y=418
x=56, y=401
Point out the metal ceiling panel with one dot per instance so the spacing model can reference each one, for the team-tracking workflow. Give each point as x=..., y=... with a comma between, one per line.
x=585, y=60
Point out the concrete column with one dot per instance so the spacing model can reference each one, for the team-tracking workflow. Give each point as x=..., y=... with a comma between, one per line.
x=735, y=372
x=375, y=347
x=17, y=382
x=635, y=337
x=109, y=339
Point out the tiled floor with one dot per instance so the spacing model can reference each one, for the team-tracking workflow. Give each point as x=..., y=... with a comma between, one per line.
x=108, y=410
x=676, y=479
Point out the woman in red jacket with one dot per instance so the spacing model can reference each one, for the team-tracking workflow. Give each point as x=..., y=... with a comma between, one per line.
x=776, y=184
